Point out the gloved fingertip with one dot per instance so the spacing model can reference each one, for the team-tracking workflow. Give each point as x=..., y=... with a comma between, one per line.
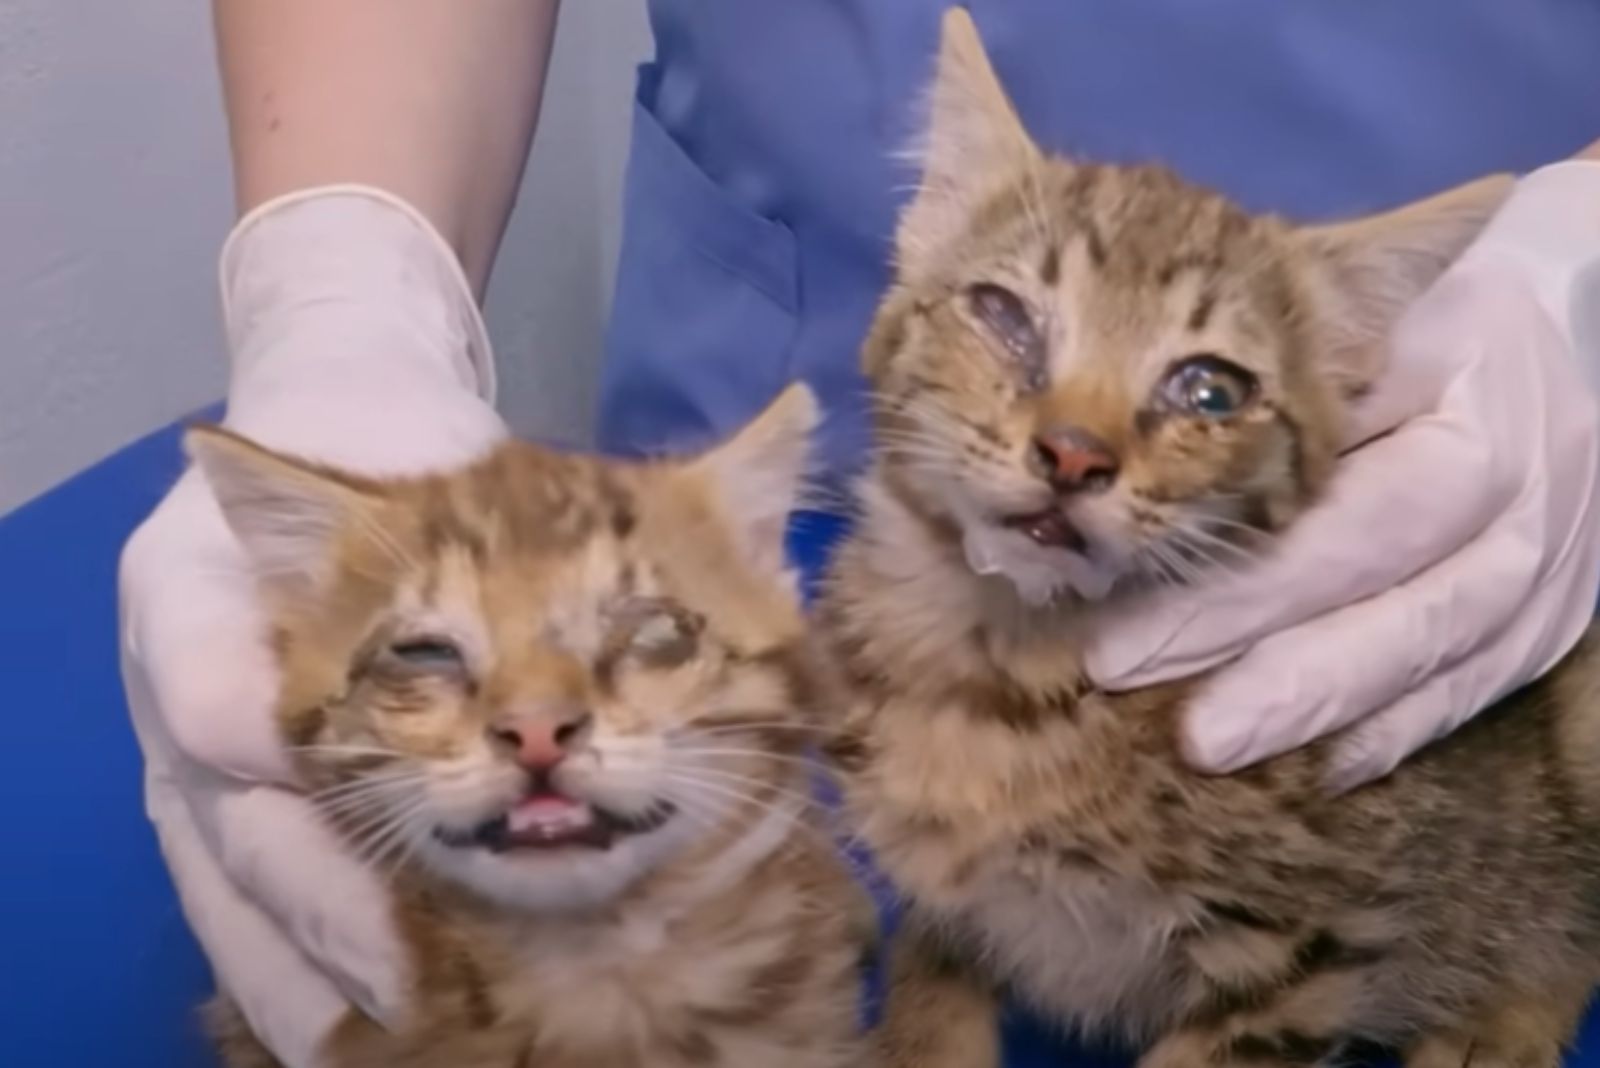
x=1355, y=763
x=1110, y=668
x=1134, y=648
x=1212, y=744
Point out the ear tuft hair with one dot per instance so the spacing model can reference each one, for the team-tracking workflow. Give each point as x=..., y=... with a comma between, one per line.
x=288, y=515
x=972, y=145
x=760, y=475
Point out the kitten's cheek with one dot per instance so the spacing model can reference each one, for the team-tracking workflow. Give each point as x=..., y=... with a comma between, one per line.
x=1111, y=530
x=465, y=799
x=631, y=785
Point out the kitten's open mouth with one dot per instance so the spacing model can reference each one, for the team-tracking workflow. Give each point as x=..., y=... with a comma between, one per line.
x=1050, y=529
x=549, y=820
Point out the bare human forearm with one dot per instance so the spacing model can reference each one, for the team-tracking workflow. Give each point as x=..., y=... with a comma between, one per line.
x=432, y=100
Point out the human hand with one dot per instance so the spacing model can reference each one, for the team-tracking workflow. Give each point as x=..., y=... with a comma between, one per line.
x=355, y=340
x=1454, y=558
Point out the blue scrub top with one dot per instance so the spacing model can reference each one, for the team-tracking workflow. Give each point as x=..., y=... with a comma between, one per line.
x=763, y=179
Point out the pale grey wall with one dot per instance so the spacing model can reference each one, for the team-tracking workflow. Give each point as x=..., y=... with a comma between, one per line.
x=552, y=284
x=114, y=199
x=114, y=195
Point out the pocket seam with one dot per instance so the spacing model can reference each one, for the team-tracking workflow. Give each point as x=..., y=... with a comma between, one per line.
x=761, y=254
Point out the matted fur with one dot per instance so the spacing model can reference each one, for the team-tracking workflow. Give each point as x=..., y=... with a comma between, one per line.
x=652, y=597
x=1050, y=838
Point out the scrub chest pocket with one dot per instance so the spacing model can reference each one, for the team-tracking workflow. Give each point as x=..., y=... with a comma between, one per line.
x=706, y=303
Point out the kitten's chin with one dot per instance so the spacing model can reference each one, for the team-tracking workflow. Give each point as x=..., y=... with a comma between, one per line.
x=1040, y=574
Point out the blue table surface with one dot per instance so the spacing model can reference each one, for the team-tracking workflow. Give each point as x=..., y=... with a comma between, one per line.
x=99, y=967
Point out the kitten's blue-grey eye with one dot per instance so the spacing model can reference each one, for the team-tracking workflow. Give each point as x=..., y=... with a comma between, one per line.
x=1209, y=386
x=428, y=654
x=1007, y=317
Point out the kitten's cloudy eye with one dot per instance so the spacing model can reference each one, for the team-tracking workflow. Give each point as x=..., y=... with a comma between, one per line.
x=1209, y=386
x=1007, y=317
x=664, y=636
x=428, y=654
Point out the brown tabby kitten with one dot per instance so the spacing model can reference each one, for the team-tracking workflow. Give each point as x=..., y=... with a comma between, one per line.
x=1091, y=377
x=566, y=703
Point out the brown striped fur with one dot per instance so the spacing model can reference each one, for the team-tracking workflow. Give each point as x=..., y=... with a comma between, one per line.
x=728, y=935
x=1050, y=838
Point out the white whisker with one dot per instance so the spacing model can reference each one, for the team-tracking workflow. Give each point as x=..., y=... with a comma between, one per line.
x=367, y=782
x=742, y=799
x=750, y=727
x=387, y=834
x=1224, y=522
x=807, y=763
x=361, y=817
x=775, y=789
x=343, y=806
x=1210, y=538
x=695, y=778
x=355, y=805
x=342, y=750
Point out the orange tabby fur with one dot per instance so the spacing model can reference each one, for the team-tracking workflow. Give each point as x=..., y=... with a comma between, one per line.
x=412, y=618
x=1051, y=839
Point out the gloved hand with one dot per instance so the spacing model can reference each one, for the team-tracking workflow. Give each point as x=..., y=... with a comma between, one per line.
x=1456, y=556
x=355, y=340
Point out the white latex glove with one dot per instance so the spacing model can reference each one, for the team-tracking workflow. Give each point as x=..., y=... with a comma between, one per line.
x=1454, y=559
x=355, y=340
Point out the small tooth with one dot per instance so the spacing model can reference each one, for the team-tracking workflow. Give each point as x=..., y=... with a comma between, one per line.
x=547, y=821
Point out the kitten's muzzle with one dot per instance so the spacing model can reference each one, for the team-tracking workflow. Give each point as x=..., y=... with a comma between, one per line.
x=1072, y=461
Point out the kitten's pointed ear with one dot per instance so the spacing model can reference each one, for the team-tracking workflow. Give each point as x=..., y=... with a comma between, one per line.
x=759, y=476
x=1365, y=273
x=974, y=142
x=287, y=515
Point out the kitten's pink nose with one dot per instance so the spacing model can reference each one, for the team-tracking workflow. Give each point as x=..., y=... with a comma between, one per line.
x=1072, y=459
x=543, y=740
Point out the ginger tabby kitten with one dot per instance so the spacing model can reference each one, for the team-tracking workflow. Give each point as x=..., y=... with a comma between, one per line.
x=1090, y=380
x=565, y=702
